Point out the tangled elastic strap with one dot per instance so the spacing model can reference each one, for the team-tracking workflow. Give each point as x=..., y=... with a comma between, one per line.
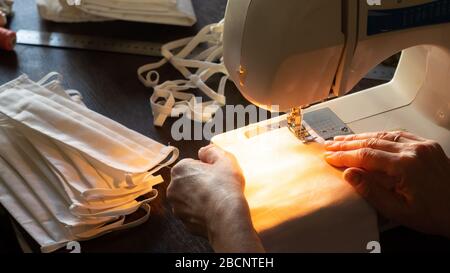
x=171, y=99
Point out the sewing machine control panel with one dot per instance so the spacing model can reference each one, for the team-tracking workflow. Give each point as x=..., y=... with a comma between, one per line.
x=401, y=16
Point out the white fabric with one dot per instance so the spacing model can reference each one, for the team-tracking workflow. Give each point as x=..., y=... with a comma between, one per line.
x=178, y=12
x=171, y=99
x=172, y=12
x=61, y=11
x=134, y=5
x=68, y=173
x=297, y=201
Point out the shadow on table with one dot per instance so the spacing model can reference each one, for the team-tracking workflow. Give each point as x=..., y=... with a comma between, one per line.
x=9, y=61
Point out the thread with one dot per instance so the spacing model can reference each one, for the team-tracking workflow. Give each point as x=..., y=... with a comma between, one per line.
x=7, y=39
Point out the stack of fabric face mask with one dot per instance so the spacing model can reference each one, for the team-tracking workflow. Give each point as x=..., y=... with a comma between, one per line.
x=68, y=173
x=171, y=12
x=61, y=11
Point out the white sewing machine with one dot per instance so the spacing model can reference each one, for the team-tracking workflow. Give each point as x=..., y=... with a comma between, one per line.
x=294, y=53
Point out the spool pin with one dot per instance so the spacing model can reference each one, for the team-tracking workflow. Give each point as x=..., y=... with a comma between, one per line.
x=7, y=39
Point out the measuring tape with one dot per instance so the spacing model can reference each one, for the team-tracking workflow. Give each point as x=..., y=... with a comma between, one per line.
x=62, y=40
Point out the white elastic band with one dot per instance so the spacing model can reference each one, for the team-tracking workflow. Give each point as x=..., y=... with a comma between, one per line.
x=171, y=98
x=118, y=225
x=55, y=78
x=98, y=194
x=80, y=209
x=47, y=78
x=117, y=211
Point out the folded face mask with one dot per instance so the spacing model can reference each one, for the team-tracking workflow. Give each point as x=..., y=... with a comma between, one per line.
x=80, y=128
x=33, y=185
x=172, y=12
x=68, y=173
x=61, y=11
x=132, y=5
x=178, y=12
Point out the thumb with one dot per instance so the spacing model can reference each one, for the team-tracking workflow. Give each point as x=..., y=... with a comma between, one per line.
x=211, y=154
x=370, y=187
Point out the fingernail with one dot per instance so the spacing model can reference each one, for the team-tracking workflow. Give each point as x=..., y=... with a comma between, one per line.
x=354, y=178
x=202, y=149
x=329, y=154
x=337, y=138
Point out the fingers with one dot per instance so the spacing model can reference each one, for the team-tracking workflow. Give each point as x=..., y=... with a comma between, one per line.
x=368, y=159
x=399, y=136
x=184, y=166
x=383, y=200
x=211, y=154
x=372, y=143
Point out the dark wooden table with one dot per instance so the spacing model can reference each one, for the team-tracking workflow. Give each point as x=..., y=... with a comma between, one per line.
x=109, y=86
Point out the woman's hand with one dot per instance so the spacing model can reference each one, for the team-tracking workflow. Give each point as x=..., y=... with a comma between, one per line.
x=405, y=177
x=207, y=195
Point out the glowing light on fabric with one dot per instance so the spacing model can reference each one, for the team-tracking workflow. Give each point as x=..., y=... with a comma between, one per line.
x=285, y=179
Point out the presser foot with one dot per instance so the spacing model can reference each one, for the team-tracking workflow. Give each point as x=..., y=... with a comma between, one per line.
x=295, y=125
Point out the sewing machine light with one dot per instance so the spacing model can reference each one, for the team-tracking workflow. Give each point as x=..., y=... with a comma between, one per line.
x=242, y=76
